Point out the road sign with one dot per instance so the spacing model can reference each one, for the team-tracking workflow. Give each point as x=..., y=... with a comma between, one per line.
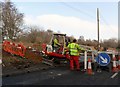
x=103, y=59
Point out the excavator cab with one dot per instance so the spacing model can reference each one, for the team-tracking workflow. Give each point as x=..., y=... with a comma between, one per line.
x=61, y=39
x=50, y=54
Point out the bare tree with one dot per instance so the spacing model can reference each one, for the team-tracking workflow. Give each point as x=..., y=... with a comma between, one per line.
x=113, y=42
x=11, y=19
x=33, y=34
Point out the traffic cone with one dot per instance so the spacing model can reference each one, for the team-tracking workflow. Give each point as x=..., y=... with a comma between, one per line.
x=119, y=63
x=114, y=69
x=89, y=70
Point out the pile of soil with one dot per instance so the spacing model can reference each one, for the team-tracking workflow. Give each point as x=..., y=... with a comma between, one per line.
x=33, y=55
x=12, y=63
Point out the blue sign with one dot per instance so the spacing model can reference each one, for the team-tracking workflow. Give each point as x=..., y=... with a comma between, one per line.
x=103, y=59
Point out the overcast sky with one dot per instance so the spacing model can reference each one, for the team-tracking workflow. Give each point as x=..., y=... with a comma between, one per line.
x=73, y=18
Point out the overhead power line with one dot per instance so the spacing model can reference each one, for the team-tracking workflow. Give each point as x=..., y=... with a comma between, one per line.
x=108, y=26
x=103, y=20
x=87, y=14
x=78, y=10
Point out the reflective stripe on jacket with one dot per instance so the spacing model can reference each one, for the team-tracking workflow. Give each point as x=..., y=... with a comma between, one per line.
x=74, y=49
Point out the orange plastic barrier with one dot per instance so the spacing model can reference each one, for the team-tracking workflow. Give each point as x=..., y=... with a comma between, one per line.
x=17, y=49
x=8, y=46
x=21, y=50
x=14, y=51
x=4, y=45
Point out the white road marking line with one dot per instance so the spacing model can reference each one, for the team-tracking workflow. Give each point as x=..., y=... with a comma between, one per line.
x=114, y=75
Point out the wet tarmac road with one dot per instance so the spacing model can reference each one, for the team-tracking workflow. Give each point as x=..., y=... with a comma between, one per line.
x=62, y=76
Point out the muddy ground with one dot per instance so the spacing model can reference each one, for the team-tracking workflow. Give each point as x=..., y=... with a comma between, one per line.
x=12, y=64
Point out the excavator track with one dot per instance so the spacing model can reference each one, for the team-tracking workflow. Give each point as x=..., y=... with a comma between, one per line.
x=54, y=61
x=48, y=62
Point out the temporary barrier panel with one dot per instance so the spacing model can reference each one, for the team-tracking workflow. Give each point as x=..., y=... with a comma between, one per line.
x=21, y=50
x=14, y=48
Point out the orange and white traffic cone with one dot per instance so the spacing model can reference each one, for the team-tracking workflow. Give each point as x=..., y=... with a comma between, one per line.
x=89, y=70
x=119, y=63
x=114, y=69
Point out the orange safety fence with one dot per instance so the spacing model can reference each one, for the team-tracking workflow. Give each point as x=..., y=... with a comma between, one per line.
x=17, y=49
x=21, y=50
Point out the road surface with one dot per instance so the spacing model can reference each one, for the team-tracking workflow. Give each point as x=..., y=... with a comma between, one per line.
x=62, y=76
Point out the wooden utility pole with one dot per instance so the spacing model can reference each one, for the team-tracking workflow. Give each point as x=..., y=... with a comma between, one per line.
x=98, y=29
x=99, y=69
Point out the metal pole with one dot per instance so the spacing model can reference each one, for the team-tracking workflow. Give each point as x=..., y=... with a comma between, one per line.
x=85, y=60
x=99, y=70
x=98, y=28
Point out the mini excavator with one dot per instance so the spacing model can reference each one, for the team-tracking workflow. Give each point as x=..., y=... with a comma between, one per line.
x=50, y=56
